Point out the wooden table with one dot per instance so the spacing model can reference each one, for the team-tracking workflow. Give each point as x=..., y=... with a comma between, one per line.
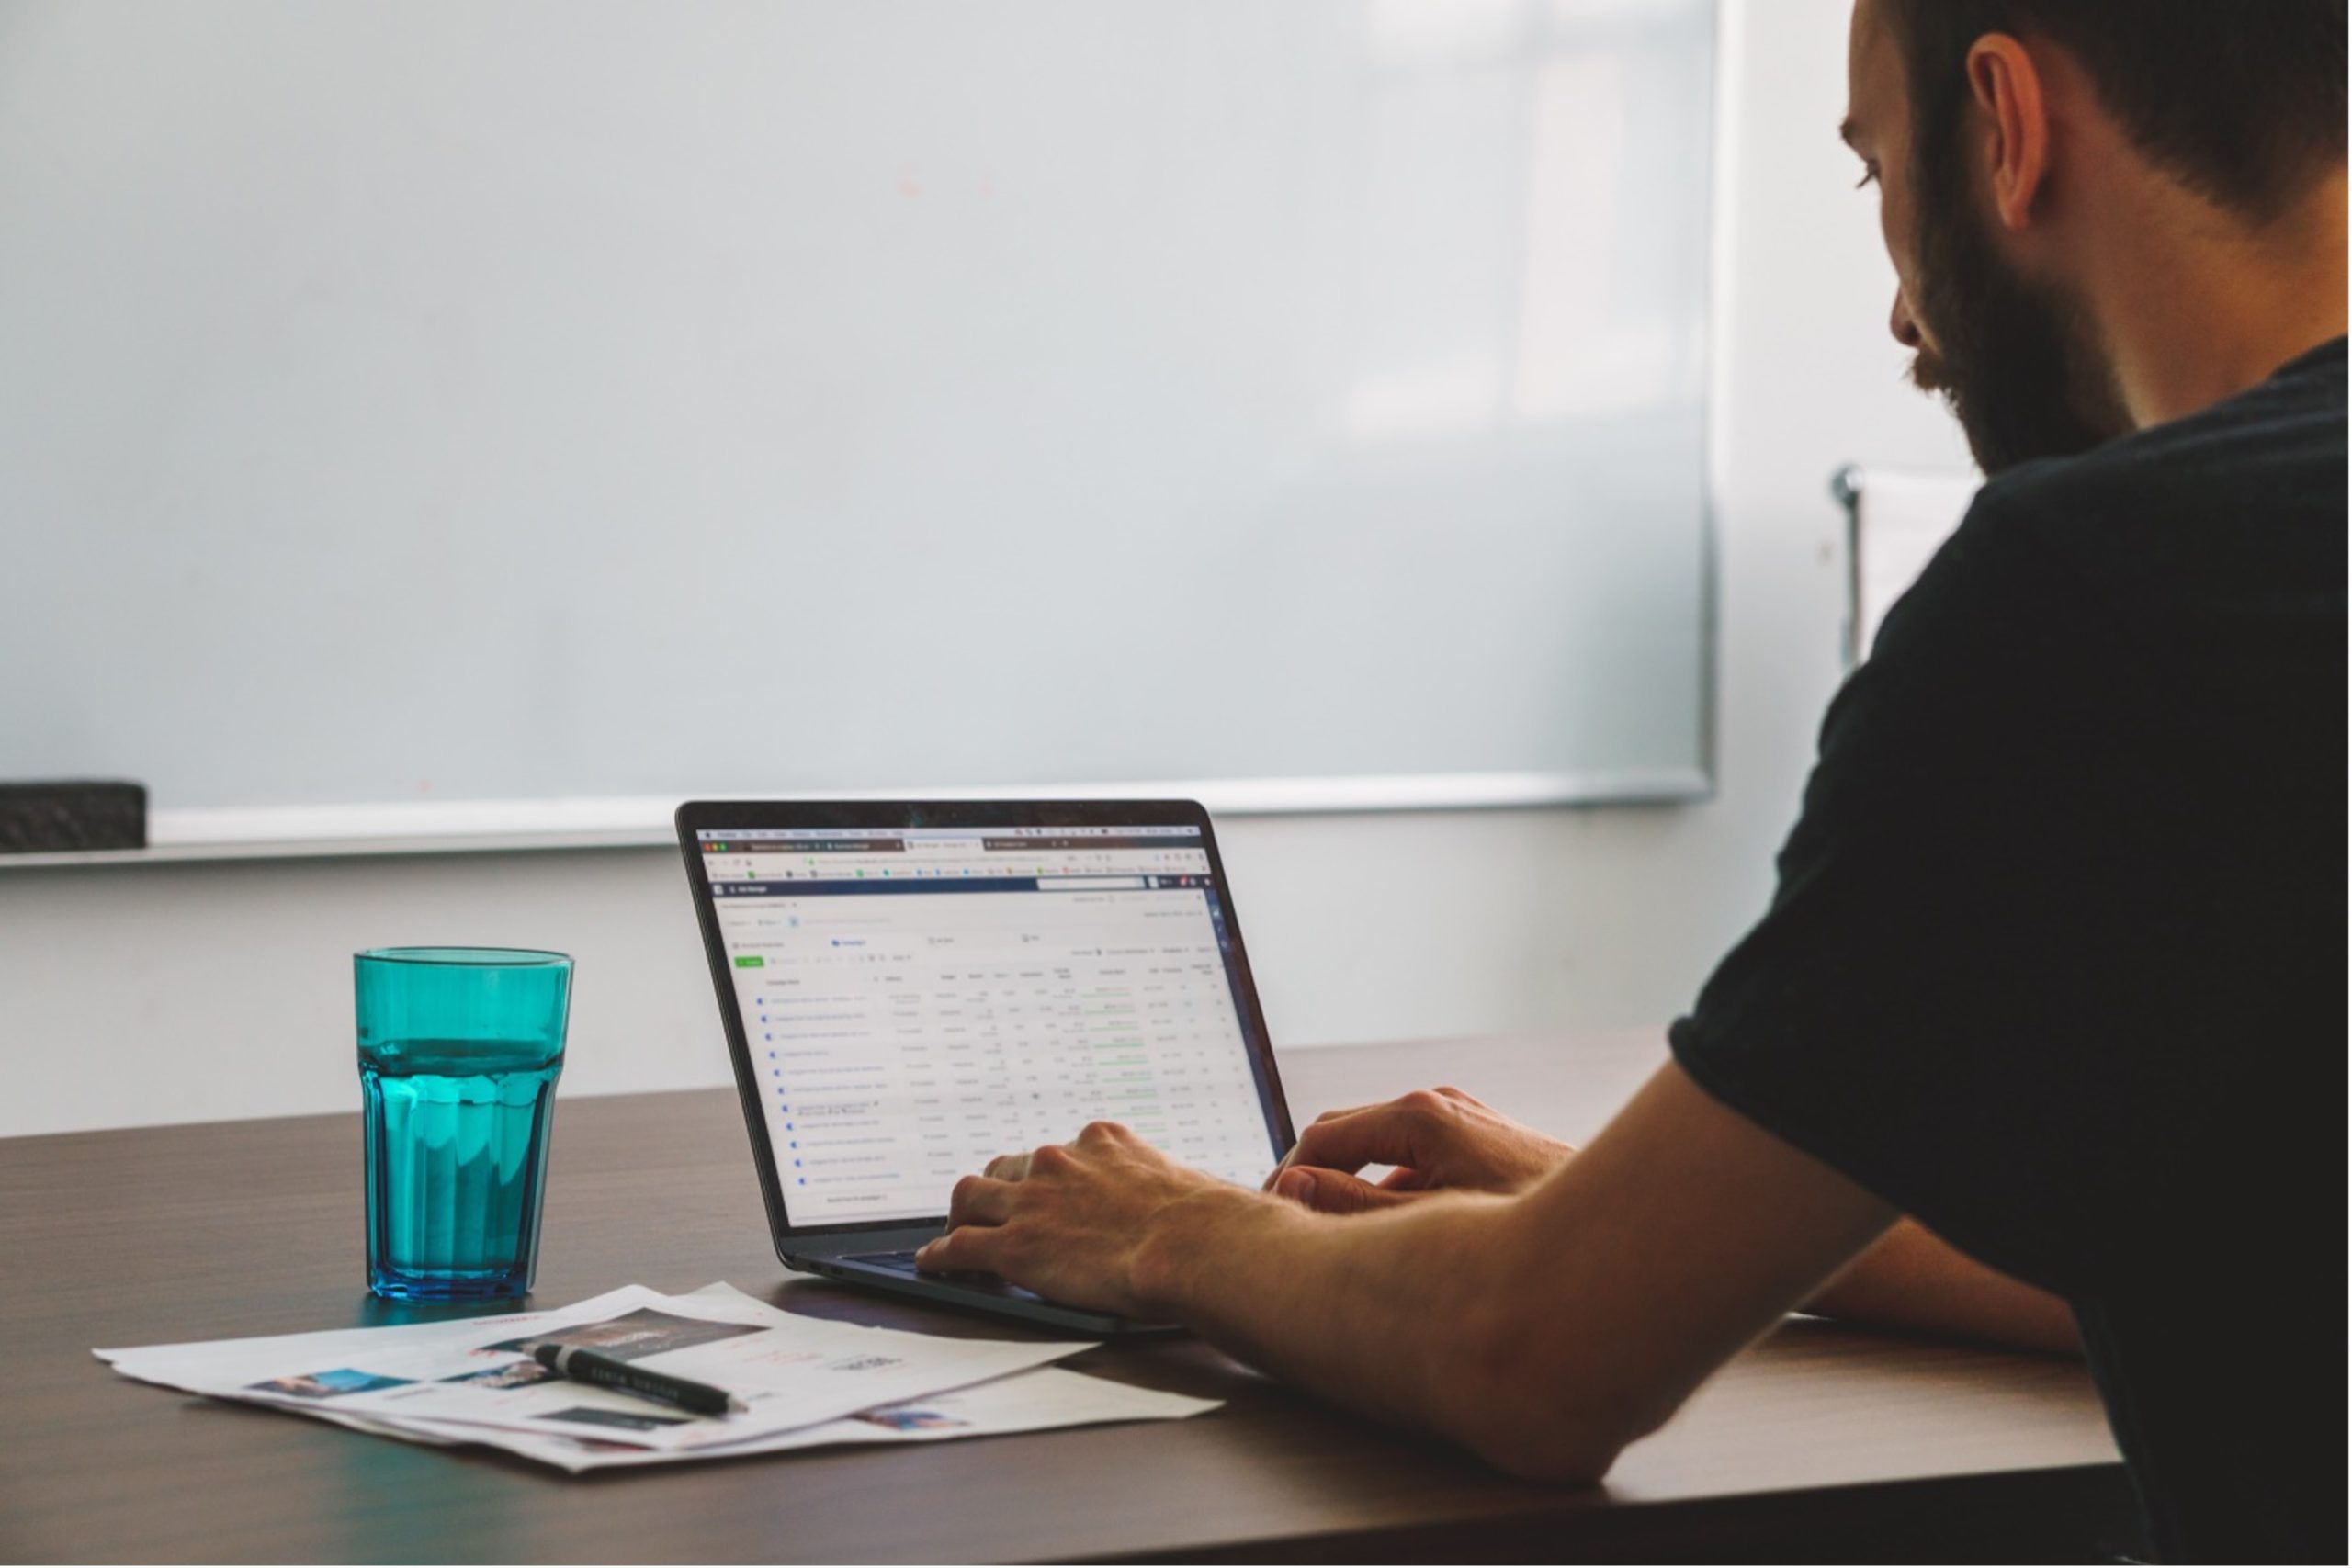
x=1819, y=1442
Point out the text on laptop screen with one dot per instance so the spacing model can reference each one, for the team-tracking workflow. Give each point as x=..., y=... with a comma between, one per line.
x=917, y=1001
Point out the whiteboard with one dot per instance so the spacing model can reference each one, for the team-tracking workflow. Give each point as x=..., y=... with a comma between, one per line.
x=496, y=399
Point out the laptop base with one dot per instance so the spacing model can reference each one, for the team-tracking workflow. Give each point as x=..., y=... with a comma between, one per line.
x=895, y=1273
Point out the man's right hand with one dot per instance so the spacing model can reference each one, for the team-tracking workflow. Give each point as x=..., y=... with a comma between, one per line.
x=1436, y=1138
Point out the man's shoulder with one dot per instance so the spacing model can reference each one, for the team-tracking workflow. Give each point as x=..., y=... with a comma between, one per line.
x=2228, y=524
x=2242, y=503
x=2277, y=449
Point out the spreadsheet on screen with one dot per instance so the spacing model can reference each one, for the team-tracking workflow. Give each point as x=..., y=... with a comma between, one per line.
x=917, y=1001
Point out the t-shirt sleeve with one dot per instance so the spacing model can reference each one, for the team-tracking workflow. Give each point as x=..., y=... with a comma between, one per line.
x=1901, y=1011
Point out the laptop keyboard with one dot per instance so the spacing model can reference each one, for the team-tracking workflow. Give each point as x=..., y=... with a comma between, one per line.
x=903, y=1263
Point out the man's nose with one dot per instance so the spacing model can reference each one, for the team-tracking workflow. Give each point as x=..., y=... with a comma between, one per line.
x=1900, y=322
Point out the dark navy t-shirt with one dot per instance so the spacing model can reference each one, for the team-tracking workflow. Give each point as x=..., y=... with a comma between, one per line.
x=2057, y=959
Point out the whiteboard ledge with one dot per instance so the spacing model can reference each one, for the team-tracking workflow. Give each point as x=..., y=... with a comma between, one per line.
x=455, y=827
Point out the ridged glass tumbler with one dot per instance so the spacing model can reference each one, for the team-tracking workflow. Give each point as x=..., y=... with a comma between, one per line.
x=459, y=1048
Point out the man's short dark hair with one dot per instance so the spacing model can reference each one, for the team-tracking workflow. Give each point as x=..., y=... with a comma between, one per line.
x=2240, y=100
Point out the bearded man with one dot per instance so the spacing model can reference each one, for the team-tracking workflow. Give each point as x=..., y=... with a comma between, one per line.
x=2055, y=967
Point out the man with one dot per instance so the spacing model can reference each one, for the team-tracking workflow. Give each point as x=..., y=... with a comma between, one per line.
x=2056, y=961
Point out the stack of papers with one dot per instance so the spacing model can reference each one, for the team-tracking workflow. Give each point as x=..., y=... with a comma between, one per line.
x=804, y=1382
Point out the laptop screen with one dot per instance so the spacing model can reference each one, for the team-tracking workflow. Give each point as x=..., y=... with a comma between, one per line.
x=917, y=1001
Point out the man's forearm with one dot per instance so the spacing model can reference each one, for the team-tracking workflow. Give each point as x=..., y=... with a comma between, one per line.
x=1407, y=1293
x=1287, y=1291
x=1913, y=1279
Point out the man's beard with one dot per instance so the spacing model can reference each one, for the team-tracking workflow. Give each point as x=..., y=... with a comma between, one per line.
x=2015, y=360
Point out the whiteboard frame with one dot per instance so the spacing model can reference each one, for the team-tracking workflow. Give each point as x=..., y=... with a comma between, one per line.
x=292, y=832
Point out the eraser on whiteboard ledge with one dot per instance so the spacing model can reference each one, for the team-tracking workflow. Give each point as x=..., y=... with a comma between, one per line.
x=71, y=814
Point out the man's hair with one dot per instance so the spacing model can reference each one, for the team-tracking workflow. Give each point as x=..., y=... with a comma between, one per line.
x=2240, y=100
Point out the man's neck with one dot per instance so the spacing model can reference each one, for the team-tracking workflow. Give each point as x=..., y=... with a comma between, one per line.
x=2189, y=324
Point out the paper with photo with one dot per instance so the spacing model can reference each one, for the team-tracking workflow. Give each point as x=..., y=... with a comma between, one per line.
x=228, y=1368
x=791, y=1372
x=1034, y=1401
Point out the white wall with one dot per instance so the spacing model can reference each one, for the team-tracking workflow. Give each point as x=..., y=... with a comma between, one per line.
x=139, y=995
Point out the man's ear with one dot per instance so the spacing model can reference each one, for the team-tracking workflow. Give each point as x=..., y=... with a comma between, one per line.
x=2008, y=89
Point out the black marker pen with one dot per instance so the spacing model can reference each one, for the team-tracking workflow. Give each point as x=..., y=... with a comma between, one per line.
x=587, y=1366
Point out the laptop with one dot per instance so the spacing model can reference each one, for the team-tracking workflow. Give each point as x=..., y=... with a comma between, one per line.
x=911, y=988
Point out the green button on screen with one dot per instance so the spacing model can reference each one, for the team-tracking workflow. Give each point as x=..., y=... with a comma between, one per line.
x=750, y=961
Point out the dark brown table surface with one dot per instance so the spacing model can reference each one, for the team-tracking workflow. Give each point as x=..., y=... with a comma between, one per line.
x=1820, y=1440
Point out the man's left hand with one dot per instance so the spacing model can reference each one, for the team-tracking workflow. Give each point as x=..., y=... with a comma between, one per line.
x=1088, y=1224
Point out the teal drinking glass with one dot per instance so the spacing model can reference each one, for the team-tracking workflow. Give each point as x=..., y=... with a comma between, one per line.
x=458, y=1052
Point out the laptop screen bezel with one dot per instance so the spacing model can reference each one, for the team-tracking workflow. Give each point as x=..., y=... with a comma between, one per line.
x=698, y=817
